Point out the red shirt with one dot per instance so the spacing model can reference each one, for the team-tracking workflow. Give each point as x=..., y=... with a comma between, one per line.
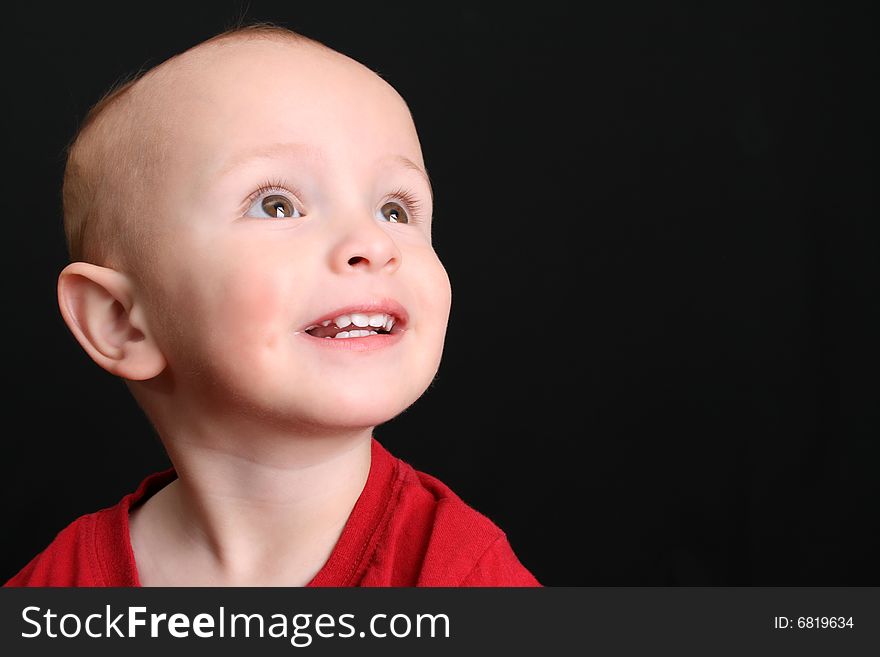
x=406, y=529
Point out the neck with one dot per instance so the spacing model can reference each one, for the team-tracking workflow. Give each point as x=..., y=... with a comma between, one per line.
x=254, y=509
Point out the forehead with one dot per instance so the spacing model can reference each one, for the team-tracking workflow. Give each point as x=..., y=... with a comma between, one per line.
x=232, y=98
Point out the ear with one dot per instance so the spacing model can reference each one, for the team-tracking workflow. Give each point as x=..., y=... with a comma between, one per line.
x=99, y=306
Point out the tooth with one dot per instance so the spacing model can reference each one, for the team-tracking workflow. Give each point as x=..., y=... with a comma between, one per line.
x=389, y=324
x=342, y=321
x=342, y=334
x=373, y=333
x=359, y=334
x=359, y=319
x=326, y=322
x=378, y=320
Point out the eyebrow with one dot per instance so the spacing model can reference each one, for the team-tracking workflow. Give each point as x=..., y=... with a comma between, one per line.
x=409, y=164
x=263, y=152
x=278, y=149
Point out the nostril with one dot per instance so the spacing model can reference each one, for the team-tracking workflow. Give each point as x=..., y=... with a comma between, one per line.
x=355, y=260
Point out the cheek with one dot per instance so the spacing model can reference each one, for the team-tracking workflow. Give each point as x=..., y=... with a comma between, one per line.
x=435, y=295
x=435, y=291
x=253, y=304
x=443, y=301
x=253, y=311
x=233, y=309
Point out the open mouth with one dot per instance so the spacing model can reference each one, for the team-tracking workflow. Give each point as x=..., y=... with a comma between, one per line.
x=354, y=325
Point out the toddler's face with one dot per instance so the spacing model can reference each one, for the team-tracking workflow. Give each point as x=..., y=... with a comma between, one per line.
x=293, y=202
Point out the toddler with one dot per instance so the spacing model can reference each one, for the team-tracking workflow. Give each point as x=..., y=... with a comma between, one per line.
x=249, y=226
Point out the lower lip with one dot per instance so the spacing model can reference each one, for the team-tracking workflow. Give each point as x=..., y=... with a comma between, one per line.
x=366, y=343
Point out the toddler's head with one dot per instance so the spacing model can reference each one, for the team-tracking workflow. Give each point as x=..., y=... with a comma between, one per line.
x=250, y=229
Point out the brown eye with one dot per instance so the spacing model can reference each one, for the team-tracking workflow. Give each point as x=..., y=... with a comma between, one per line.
x=278, y=206
x=394, y=213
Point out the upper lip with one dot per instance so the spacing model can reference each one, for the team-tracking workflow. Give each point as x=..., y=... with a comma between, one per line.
x=386, y=305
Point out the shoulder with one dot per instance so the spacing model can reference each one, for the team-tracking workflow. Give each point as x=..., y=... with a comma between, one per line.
x=440, y=540
x=69, y=560
x=469, y=548
x=93, y=550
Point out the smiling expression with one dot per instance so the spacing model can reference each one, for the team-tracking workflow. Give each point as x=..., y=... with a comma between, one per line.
x=293, y=205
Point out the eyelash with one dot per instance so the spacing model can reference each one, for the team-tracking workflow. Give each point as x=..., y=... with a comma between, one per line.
x=275, y=185
x=410, y=200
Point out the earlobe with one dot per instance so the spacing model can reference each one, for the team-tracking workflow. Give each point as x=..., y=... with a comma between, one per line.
x=101, y=310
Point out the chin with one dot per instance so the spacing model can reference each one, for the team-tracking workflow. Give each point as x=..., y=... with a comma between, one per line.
x=358, y=408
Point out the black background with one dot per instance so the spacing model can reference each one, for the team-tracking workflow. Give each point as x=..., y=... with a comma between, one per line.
x=660, y=366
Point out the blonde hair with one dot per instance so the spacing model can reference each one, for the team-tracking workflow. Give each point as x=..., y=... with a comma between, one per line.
x=116, y=154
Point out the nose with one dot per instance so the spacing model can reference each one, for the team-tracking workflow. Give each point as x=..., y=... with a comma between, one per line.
x=365, y=246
